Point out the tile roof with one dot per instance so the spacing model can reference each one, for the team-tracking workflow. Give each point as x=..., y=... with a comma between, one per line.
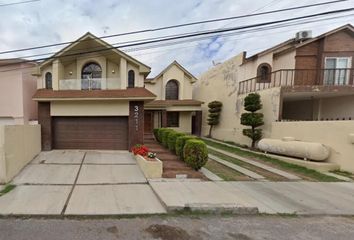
x=169, y=103
x=94, y=94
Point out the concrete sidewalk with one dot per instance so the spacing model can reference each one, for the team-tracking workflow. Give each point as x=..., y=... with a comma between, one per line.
x=303, y=198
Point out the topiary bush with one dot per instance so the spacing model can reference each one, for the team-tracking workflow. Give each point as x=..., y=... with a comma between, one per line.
x=252, y=118
x=195, y=153
x=180, y=142
x=165, y=136
x=156, y=132
x=171, y=141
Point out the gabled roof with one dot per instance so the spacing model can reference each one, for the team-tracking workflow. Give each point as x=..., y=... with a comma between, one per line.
x=174, y=63
x=90, y=36
x=344, y=27
x=293, y=44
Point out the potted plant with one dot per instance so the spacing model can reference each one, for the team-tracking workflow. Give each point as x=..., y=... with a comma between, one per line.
x=150, y=165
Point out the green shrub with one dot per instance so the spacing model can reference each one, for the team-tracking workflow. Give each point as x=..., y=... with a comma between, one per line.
x=195, y=153
x=165, y=136
x=171, y=142
x=180, y=141
x=156, y=132
x=159, y=134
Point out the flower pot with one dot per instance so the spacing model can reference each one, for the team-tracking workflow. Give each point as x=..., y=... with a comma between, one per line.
x=150, y=168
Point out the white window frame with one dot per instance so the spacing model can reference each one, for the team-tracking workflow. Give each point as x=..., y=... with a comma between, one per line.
x=336, y=73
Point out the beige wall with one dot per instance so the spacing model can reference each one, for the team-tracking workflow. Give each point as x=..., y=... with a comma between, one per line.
x=225, y=78
x=89, y=108
x=334, y=134
x=19, y=144
x=172, y=73
x=185, y=122
x=114, y=71
x=16, y=90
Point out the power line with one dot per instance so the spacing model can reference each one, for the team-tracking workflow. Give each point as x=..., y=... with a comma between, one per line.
x=190, y=35
x=17, y=3
x=178, y=25
x=201, y=38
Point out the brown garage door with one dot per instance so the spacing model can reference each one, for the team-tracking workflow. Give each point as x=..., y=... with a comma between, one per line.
x=90, y=133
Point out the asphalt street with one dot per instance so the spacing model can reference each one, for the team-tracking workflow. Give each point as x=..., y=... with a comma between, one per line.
x=180, y=227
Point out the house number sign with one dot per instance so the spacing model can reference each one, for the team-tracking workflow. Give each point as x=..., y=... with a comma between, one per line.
x=136, y=117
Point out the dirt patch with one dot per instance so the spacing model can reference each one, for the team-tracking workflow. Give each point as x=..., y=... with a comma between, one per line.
x=113, y=230
x=239, y=236
x=167, y=232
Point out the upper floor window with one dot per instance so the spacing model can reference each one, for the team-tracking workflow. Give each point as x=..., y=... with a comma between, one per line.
x=172, y=90
x=91, y=75
x=337, y=70
x=48, y=80
x=131, y=79
x=264, y=73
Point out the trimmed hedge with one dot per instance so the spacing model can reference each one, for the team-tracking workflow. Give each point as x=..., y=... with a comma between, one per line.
x=171, y=141
x=180, y=142
x=195, y=153
x=159, y=134
x=156, y=132
x=165, y=136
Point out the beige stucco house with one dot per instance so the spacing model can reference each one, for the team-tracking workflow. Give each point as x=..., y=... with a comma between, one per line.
x=93, y=96
x=17, y=87
x=174, y=106
x=306, y=87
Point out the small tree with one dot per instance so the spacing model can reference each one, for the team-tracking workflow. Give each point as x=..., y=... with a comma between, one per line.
x=253, y=119
x=214, y=114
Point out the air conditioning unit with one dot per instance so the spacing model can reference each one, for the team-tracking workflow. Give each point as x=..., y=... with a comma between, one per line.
x=303, y=35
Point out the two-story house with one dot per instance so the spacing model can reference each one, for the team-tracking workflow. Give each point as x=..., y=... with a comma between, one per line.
x=306, y=88
x=92, y=96
x=17, y=87
x=174, y=106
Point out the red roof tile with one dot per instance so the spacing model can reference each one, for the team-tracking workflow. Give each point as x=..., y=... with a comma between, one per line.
x=87, y=94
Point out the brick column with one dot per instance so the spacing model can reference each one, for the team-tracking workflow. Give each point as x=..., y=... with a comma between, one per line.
x=198, y=123
x=136, y=123
x=163, y=118
x=45, y=120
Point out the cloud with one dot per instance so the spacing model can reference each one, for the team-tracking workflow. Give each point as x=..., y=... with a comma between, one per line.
x=52, y=21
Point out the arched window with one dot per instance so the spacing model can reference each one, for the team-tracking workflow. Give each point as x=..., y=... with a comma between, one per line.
x=172, y=90
x=91, y=75
x=264, y=73
x=48, y=80
x=131, y=79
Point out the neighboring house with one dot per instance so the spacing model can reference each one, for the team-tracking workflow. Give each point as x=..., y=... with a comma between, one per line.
x=17, y=87
x=92, y=96
x=306, y=87
x=174, y=106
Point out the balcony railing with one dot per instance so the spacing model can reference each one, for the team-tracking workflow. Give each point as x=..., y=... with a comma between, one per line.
x=298, y=77
x=89, y=84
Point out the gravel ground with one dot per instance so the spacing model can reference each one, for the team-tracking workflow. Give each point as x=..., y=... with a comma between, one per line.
x=181, y=227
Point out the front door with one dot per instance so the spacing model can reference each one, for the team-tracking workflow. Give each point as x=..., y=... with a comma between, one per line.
x=148, y=121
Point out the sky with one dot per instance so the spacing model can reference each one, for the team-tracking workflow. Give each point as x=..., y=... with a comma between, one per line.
x=52, y=21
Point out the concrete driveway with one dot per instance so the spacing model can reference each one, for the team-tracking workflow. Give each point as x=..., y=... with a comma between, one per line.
x=75, y=182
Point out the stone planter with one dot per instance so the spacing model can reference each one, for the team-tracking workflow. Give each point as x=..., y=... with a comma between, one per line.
x=151, y=169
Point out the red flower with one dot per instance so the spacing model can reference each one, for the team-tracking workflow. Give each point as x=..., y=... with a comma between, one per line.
x=140, y=149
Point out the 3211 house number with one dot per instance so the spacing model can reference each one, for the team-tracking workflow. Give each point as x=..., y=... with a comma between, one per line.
x=136, y=117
